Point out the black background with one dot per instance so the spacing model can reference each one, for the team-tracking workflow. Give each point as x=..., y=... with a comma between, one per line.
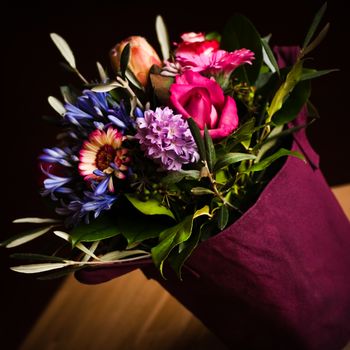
x=30, y=72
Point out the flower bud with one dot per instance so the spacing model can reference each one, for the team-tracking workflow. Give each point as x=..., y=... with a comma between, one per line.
x=142, y=57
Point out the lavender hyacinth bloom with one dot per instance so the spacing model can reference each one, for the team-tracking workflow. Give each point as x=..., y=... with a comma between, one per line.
x=166, y=138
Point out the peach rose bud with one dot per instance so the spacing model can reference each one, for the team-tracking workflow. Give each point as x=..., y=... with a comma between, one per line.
x=142, y=57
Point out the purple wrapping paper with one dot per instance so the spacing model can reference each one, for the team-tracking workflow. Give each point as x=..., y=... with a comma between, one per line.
x=278, y=278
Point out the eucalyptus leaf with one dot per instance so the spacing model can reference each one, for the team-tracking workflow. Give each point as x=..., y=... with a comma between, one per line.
x=132, y=79
x=36, y=268
x=263, y=164
x=57, y=105
x=25, y=237
x=240, y=33
x=124, y=60
x=33, y=220
x=163, y=37
x=231, y=158
x=120, y=254
x=197, y=138
x=39, y=257
x=293, y=104
x=149, y=207
x=106, y=87
x=315, y=23
x=101, y=72
x=64, y=49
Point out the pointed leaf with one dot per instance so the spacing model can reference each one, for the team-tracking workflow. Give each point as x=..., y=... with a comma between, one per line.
x=25, y=237
x=57, y=105
x=101, y=72
x=64, y=48
x=149, y=207
x=132, y=79
x=316, y=21
x=223, y=216
x=313, y=73
x=200, y=191
x=36, y=268
x=39, y=257
x=316, y=41
x=269, y=57
x=99, y=229
x=209, y=149
x=35, y=221
x=120, y=254
x=163, y=38
x=197, y=138
x=106, y=87
x=231, y=158
x=124, y=59
x=176, y=176
x=263, y=164
x=293, y=104
x=240, y=33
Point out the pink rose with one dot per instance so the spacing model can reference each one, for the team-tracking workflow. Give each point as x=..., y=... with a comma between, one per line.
x=142, y=57
x=195, y=44
x=201, y=98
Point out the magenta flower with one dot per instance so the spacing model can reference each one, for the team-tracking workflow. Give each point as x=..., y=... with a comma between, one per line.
x=214, y=62
x=166, y=138
x=201, y=98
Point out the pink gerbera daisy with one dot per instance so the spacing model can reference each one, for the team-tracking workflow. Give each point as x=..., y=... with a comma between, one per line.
x=102, y=158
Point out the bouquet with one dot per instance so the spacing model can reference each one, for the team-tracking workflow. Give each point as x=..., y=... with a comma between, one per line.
x=157, y=155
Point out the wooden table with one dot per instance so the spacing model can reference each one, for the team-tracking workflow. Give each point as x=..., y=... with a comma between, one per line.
x=129, y=313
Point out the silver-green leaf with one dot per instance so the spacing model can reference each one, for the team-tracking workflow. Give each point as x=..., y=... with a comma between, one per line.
x=163, y=37
x=64, y=49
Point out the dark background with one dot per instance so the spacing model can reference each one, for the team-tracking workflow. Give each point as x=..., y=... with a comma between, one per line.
x=31, y=72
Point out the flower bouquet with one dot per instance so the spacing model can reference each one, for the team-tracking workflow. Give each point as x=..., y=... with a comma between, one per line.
x=196, y=169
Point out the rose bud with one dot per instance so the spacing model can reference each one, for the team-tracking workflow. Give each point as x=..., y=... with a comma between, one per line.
x=142, y=57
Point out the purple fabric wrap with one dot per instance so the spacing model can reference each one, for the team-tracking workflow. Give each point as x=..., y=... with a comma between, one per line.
x=278, y=278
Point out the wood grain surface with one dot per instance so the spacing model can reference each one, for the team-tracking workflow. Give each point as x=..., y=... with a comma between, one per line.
x=129, y=312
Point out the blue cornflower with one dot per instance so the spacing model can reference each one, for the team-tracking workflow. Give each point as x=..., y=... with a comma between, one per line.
x=97, y=110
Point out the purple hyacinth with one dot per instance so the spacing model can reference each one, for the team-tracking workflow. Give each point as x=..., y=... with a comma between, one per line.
x=166, y=138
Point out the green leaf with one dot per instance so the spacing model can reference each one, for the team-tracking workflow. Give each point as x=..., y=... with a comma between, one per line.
x=285, y=89
x=173, y=236
x=161, y=86
x=231, y=158
x=209, y=149
x=200, y=191
x=149, y=207
x=313, y=73
x=316, y=41
x=197, y=138
x=316, y=21
x=240, y=33
x=101, y=228
x=163, y=37
x=223, y=216
x=263, y=164
x=124, y=60
x=176, y=176
x=64, y=49
x=169, y=239
x=242, y=135
x=270, y=57
x=293, y=104
x=213, y=36
x=101, y=72
x=25, y=237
